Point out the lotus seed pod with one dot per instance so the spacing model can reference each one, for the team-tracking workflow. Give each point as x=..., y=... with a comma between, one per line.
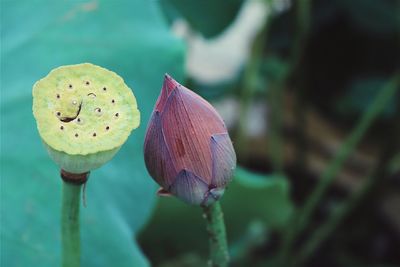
x=187, y=148
x=84, y=114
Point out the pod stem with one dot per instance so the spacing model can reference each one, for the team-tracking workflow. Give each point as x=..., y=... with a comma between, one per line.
x=219, y=256
x=70, y=232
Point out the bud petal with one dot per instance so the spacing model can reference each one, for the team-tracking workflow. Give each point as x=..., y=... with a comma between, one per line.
x=189, y=187
x=157, y=158
x=186, y=136
x=223, y=159
x=169, y=85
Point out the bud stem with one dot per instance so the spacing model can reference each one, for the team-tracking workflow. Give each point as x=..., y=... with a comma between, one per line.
x=219, y=255
x=70, y=233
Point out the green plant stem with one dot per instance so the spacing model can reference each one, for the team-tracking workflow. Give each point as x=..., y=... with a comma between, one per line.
x=323, y=232
x=303, y=18
x=379, y=103
x=340, y=213
x=70, y=233
x=219, y=255
x=250, y=78
x=299, y=74
x=275, y=135
x=303, y=22
x=382, y=170
x=276, y=95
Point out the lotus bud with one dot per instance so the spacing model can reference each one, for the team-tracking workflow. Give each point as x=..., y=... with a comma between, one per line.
x=187, y=148
x=84, y=114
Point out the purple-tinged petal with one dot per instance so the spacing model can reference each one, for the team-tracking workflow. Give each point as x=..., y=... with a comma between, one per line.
x=188, y=124
x=168, y=86
x=189, y=188
x=200, y=109
x=156, y=155
x=223, y=159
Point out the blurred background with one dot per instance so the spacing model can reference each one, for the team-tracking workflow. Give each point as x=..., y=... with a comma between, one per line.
x=310, y=92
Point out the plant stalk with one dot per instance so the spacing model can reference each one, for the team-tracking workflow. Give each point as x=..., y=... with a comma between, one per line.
x=302, y=29
x=338, y=215
x=70, y=233
x=303, y=23
x=303, y=217
x=219, y=256
x=379, y=103
x=382, y=170
x=250, y=77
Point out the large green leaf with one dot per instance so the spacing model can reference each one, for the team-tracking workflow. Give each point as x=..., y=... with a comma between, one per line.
x=178, y=228
x=208, y=17
x=128, y=37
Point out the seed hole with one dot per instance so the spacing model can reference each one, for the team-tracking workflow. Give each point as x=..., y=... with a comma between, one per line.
x=76, y=135
x=104, y=88
x=108, y=128
x=87, y=82
x=116, y=114
x=94, y=134
x=61, y=127
x=58, y=113
x=70, y=86
x=79, y=120
x=58, y=95
x=113, y=101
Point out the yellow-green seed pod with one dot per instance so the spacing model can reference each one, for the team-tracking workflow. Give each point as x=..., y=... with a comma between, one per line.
x=84, y=114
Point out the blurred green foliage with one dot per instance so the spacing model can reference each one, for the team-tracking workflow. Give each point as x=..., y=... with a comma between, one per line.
x=208, y=17
x=128, y=37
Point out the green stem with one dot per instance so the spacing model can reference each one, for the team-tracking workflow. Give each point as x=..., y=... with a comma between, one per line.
x=276, y=96
x=379, y=103
x=382, y=170
x=323, y=232
x=250, y=77
x=303, y=18
x=275, y=134
x=299, y=74
x=219, y=255
x=70, y=233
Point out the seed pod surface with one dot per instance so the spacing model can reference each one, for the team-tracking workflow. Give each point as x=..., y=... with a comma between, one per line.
x=84, y=114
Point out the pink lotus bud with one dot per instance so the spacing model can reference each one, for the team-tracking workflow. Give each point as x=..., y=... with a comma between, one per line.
x=187, y=149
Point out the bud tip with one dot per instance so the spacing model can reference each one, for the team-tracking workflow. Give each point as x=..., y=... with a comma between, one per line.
x=169, y=83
